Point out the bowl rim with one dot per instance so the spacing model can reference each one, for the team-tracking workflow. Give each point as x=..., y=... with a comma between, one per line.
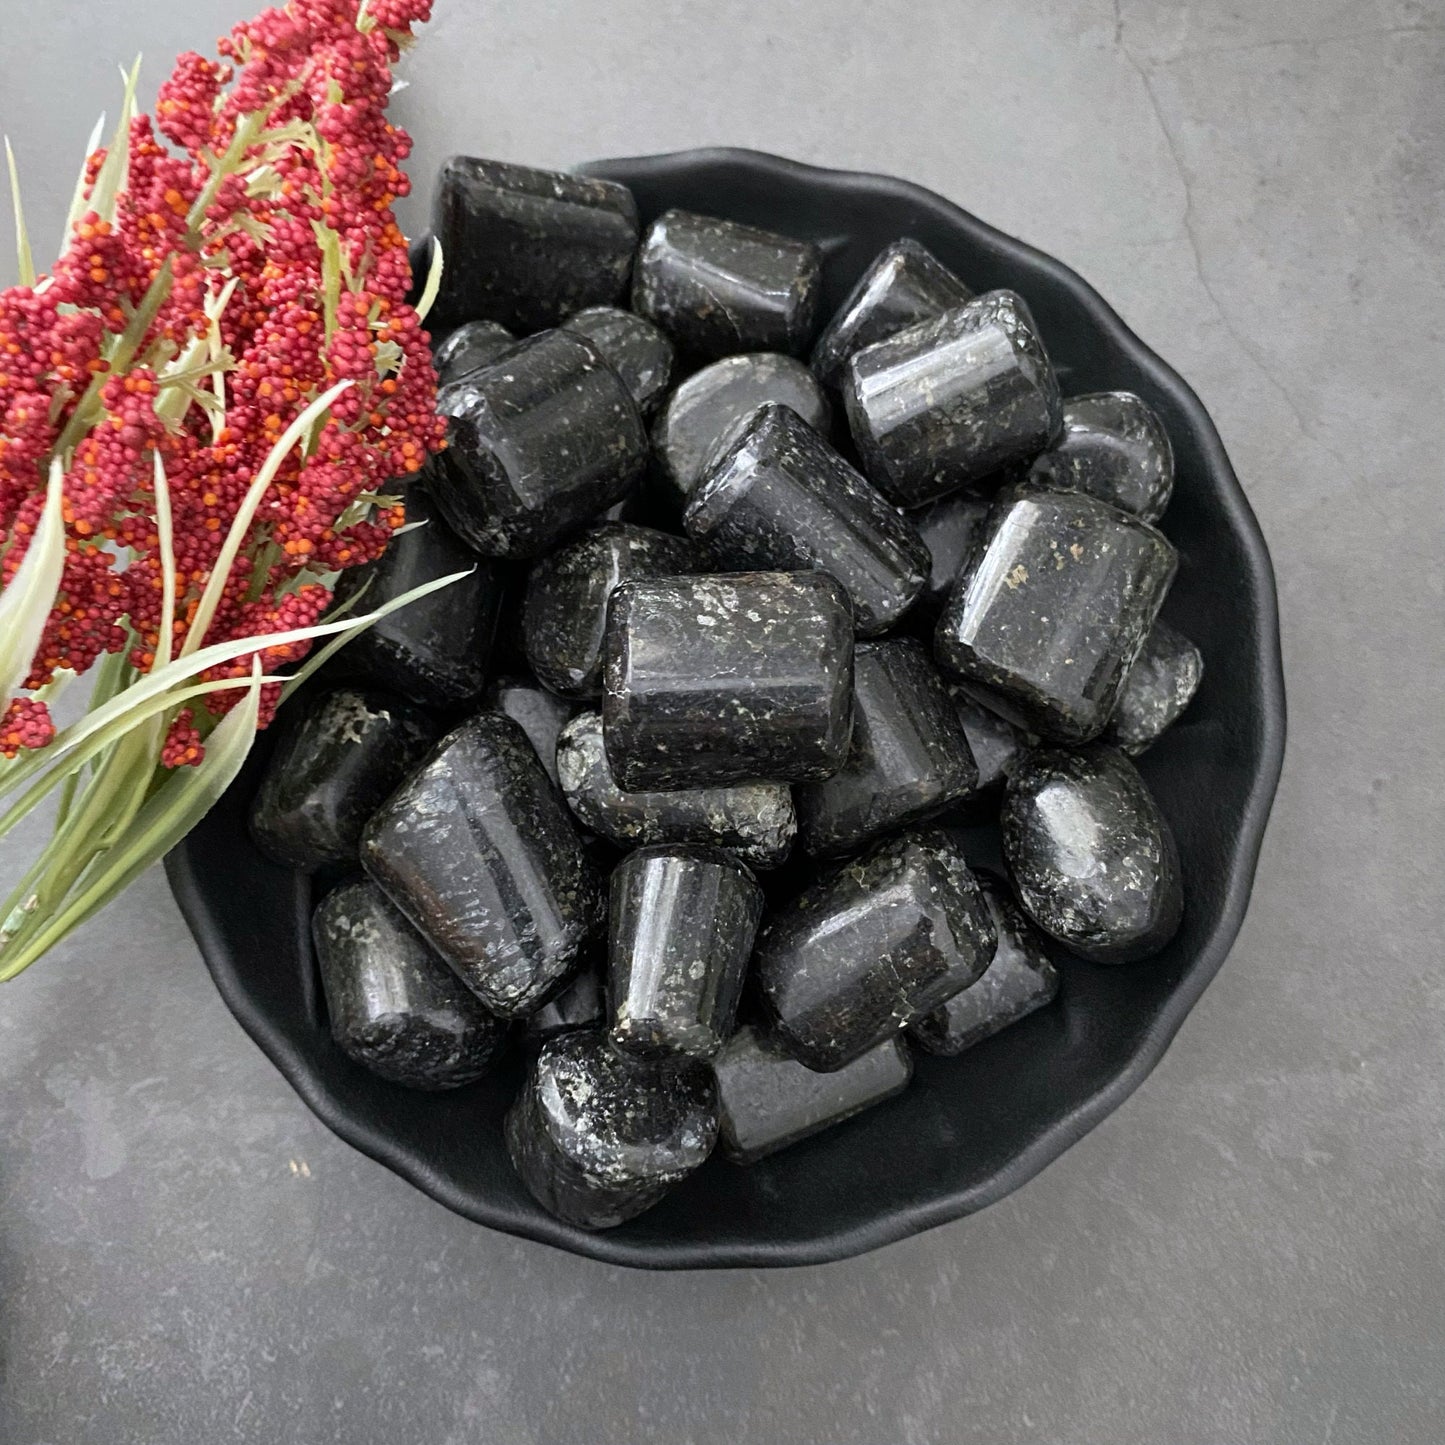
x=184, y=872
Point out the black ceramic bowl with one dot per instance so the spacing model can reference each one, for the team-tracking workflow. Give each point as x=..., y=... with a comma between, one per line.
x=969, y=1129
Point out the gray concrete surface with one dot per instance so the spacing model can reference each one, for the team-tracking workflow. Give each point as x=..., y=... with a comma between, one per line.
x=1250, y=1249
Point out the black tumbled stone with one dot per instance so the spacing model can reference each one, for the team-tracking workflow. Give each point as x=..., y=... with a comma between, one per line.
x=478, y=849
x=469, y=348
x=863, y=951
x=767, y=1100
x=541, y=441
x=582, y=1004
x=1113, y=447
x=994, y=741
x=781, y=497
x=681, y=924
x=754, y=821
x=718, y=287
x=394, y=1006
x=726, y=678
x=435, y=649
x=633, y=347
x=951, y=400
x=1158, y=687
x=951, y=529
x=333, y=767
x=564, y=615
x=538, y=712
x=599, y=1136
x=1091, y=856
x=908, y=761
x=1054, y=610
x=905, y=284
x=1020, y=978
x=529, y=247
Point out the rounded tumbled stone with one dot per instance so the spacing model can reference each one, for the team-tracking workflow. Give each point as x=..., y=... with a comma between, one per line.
x=871, y=945
x=633, y=347
x=781, y=497
x=478, y=849
x=539, y=712
x=719, y=287
x=469, y=348
x=754, y=821
x=1157, y=688
x=726, y=678
x=951, y=400
x=994, y=741
x=394, y=1006
x=951, y=528
x=1092, y=858
x=599, y=1136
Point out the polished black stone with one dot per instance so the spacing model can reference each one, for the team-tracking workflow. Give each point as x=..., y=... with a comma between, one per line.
x=994, y=741
x=867, y=948
x=951, y=528
x=723, y=679
x=753, y=821
x=768, y=1100
x=334, y=766
x=1091, y=856
x=538, y=712
x=478, y=849
x=435, y=649
x=599, y=1136
x=1055, y=609
x=906, y=283
x=564, y=615
x=718, y=287
x=528, y=247
x=541, y=441
x=633, y=347
x=909, y=758
x=781, y=497
x=1020, y=978
x=394, y=1006
x=582, y=1004
x=1113, y=447
x=469, y=348
x=1159, y=686
x=705, y=413
x=681, y=923
x=952, y=400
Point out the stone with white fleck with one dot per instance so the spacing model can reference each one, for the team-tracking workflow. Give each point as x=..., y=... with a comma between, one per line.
x=633, y=347
x=1158, y=687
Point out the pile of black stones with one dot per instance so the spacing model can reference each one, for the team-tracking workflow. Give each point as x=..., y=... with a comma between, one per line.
x=668, y=790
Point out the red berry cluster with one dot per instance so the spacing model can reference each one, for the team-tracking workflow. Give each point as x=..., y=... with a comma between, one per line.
x=275, y=197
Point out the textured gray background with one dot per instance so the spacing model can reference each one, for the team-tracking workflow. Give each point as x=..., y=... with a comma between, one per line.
x=1250, y=1249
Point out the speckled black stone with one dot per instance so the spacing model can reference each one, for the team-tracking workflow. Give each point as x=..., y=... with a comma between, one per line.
x=564, y=615
x=394, y=1006
x=469, y=348
x=1091, y=856
x=599, y=1136
x=994, y=741
x=706, y=412
x=722, y=679
x=541, y=441
x=951, y=528
x=753, y=821
x=529, y=247
x=539, y=713
x=781, y=497
x=951, y=400
x=905, y=284
x=767, y=1100
x=436, y=649
x=860, y=953
x=909, y=758
x=633, y=347
x=681, y=924
x=582, y=1004
x=1020, y=978
x=718, y=287
x=1055, y=609
x=478, y=849
x=1113, y=447
x=1158, y=687
x=335, y=764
